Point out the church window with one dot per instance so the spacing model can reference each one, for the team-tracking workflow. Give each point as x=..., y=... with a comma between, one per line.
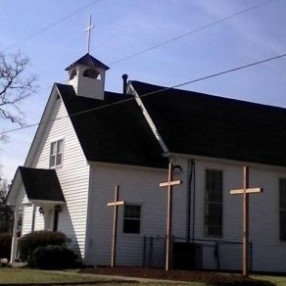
x=213, y=203
x=282, y=208
x=56, y=153
x=132, y=217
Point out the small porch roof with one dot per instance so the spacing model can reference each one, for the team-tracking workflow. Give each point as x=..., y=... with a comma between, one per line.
x=40, y=185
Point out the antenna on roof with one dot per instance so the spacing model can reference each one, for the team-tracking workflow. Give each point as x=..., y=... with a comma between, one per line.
x=88, y=29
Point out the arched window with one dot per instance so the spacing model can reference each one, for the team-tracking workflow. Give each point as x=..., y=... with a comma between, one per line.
x=72, y=74
x=91, y=73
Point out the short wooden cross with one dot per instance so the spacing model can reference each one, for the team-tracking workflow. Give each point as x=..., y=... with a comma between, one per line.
x=245, y=226
x=170, y=183
x=114, y=204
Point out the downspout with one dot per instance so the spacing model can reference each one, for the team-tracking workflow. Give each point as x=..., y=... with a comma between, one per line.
x=194, y=204
x=189, y=201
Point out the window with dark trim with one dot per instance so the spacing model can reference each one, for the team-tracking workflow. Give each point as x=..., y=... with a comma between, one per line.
x=213, y=203
x=282, y=208
x=132, y=218
x=56, y=153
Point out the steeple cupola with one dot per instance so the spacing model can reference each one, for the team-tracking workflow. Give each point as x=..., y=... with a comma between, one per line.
x=87, y=76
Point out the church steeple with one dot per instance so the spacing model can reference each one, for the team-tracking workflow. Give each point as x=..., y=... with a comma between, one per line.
x=87, y=74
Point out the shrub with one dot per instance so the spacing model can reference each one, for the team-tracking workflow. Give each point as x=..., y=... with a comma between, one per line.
x=52, y=257
x=31, y=241
x=5, y=245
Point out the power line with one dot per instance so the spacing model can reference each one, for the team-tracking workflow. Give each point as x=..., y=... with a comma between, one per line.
x=150, y=93
x=28, y=37
x=190, y=33
x=150, y=48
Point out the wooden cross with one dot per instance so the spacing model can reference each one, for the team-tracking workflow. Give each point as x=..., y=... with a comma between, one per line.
x=245, y=226
x=114, y=204
x=170, y=183
x=88, y=29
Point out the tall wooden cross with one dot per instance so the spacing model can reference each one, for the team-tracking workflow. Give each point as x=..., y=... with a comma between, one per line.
x=114, y=204
x=245, y=225
x=88, y=30
x=170, y=183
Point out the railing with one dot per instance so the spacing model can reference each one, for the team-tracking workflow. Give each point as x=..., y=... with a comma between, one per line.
x=198, y=254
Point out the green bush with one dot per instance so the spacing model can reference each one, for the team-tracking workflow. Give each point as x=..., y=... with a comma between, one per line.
x=5, y=245
x=31, y=241
x=52, y=257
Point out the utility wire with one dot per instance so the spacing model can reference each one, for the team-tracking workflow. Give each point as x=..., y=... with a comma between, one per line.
x=174, y=38
x=150, y=93
x=32, y=35
x=190, y=33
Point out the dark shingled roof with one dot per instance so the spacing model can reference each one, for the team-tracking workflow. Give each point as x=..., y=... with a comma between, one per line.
x=89, y=61
x=115, y=134
x=204, y=125
x=41, y=184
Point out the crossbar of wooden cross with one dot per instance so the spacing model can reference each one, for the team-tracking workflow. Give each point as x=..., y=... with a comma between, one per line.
x=173, y=183
x=116, y=203
x=248, y=191
x=245, y=213
x=170, y=183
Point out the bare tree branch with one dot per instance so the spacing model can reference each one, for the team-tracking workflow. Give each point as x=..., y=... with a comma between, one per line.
x=15, y=86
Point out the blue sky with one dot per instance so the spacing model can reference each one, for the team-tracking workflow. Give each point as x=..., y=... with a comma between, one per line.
x=51, y=34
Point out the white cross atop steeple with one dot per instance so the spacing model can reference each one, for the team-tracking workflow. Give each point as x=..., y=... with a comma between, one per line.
x=88, y=29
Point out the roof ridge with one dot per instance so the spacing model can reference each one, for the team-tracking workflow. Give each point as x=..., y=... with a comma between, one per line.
x=215, y=97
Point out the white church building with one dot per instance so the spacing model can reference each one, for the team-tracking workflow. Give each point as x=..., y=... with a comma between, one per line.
x=90, y=140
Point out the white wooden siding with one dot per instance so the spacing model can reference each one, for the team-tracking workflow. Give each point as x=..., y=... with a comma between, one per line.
x=27, y=219
x=73, y=176
x=39, y=220
x=268, y=251
x=137, y=186
x=140, y=186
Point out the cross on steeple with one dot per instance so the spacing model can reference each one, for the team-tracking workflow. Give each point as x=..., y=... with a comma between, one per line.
x=88, y=29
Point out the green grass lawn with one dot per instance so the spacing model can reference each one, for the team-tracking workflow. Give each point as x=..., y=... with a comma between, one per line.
x=22, y=275
x=17, y=275
x=278, y=280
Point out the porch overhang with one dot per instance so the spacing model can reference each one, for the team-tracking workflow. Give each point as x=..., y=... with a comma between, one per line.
x=36, y=186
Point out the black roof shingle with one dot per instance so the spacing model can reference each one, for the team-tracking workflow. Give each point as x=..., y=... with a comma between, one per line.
x=41, y=184
x=114, y=134
x=89, y=61
x=204, y=125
